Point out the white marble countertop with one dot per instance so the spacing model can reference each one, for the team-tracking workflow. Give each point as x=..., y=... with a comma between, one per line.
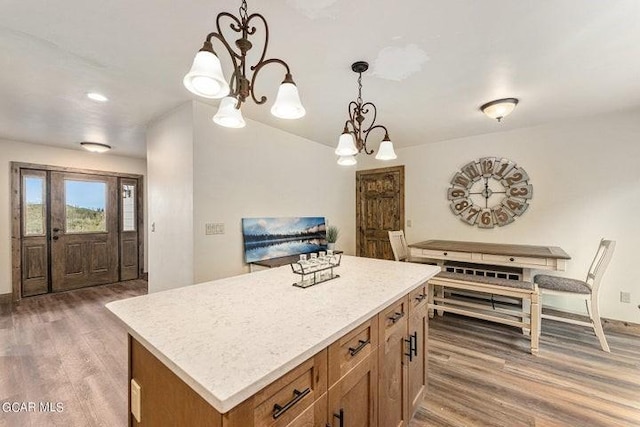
x=230, y=338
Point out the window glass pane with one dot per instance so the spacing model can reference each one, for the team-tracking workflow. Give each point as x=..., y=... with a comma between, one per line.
x=85, y=204
x=128, y=207
x=33, y=206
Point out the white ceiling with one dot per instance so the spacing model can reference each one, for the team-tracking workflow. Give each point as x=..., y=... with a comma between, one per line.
x=562, y=58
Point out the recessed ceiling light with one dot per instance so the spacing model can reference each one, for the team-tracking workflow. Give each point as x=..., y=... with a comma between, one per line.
x=97, y=97
x=95, y=147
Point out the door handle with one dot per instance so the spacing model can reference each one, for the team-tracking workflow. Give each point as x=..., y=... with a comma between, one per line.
x=56, y=229
x=55, y=237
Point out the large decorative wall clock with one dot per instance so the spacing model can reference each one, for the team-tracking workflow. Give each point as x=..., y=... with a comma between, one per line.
x=490, y=191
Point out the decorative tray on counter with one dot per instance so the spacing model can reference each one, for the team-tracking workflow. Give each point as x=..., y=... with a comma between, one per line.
x=316, y=270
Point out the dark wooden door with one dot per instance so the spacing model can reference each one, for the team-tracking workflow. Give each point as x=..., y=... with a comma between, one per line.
x=34, y=232
x=84, y=230
x=379, y=208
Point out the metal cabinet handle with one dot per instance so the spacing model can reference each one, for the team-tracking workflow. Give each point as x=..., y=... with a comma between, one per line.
x=413, y=346
x=445, y=254
x=340, y=417
x=362, y=344
x=396, y=317
x=421, y=297
x=512, y=259
x=297, y=397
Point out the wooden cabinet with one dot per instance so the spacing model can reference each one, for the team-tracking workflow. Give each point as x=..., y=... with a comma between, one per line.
x=374, y=375
x=353, y=400
x=402, y=358
x=418, y=332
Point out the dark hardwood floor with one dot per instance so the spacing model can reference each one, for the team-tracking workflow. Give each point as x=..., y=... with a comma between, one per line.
x=67, y=348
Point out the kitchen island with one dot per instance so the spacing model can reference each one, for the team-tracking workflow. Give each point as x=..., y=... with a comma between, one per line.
x=253, y=350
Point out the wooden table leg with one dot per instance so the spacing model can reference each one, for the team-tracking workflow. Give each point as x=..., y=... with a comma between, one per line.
x=535, y=313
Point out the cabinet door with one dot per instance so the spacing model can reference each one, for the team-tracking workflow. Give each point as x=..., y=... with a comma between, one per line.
x=314, y=416
x=418, y=333
x=353, y=401
x=392, y=355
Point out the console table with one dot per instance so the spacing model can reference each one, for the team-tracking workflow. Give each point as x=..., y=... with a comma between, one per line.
x=525, y=257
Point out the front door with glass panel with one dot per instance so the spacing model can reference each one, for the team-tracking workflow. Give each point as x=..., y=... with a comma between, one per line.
x=84, y=230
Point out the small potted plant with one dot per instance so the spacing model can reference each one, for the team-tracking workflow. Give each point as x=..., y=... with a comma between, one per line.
x=332, y=236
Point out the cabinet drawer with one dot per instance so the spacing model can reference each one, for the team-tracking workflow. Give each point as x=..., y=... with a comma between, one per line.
x=285, y=399
x=506, y=259
x=445, y=254
x=393, y=317
x=351, y=349
x=417, y=299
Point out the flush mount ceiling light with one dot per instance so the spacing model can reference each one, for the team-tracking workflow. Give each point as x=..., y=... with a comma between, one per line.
x=95, y=147
x=499, y=108
x=95, y=96
x=355, y=134
x=206, y=78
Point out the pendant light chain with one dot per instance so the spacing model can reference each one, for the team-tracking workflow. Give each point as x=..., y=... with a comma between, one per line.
x=244, y=15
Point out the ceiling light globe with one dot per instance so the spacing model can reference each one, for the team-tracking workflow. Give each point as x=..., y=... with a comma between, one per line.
x=499, y=108
x=228, y=115
x=347, y=160
x=288, y=105
x=386, y=151
x=95, y=147
x=205, y=77
x=346, y=145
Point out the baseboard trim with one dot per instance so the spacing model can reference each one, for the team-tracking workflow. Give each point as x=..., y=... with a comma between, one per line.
x=6, y=298
x=621, y=326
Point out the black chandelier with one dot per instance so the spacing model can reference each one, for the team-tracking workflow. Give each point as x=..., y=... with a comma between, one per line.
x=355, y=134
x=207, y=80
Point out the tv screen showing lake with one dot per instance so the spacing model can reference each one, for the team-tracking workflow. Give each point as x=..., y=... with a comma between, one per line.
x=267, y=238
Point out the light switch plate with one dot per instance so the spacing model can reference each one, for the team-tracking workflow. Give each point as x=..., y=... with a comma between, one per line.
x=211, y=228
x=135, y=400
x=625, y=297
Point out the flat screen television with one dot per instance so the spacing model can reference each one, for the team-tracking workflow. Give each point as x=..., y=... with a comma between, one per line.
x=267, y=238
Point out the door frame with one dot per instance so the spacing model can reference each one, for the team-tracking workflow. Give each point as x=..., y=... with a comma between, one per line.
x=359, y=175
x=16, y=217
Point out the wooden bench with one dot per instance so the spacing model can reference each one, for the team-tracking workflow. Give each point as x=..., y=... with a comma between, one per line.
x=527, y=318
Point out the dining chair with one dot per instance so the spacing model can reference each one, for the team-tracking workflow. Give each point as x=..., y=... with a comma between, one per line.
x=587, y=290
x=399, y=245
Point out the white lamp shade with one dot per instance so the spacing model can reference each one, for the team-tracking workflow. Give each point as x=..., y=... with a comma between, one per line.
x=288, y=105
x=499, y=108
x=346, y=145
x=228, y=115
x=386, y=152
x=205, y=77
x=347, y=160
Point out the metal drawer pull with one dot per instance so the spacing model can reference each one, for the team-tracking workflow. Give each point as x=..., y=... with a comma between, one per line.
x=413, y=346
x=297, y=397
x=361, y=345
x=340, y=416
x=421, y=297
x=396, y=317
x=445, y=254
x=512, y=259
x=415, y=343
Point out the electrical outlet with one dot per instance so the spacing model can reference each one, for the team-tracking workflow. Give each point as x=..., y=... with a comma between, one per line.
x=135, y=400
x=625, y=297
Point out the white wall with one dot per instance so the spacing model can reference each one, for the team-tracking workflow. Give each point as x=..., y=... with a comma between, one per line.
x=261, y=171
x=12, y=151
x=170, y=225
x=586, y=186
